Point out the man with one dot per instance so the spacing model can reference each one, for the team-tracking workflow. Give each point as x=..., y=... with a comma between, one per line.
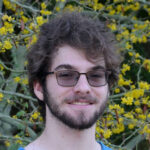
x=71, y=68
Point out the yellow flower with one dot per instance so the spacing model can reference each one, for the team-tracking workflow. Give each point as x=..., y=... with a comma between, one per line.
x=57, y=9
x=14, y=116
x=137, y=102
x=138, y=110
x=144, y=85
x=25, y=81
x=107, y=133
x=135, y=93
x=131, y=126
x=7, y=45
x=43, y=5
x=7, y=143
x=142, y=116
x=3, y=31
x=137, y=55
x=1, y=67
x=117, y=90
x=133, y=38
x=34, y=39
x=25, y=19
x=144, y=38
x=130, y=53
x=125, y=68
x=1, y=96
x=122, y=82
x=35, y=115
x=129, y=115
x=6, y=17
x=147, y=128
x=138, y=61
x=132, y=86
x=112, y=26
x=18, y=140
x=116, y=106
x=118, y=37
x=127, y=100
x=40, y=20
x=17, y=79
x=45, y=12
x=112, y=12
x=125, y=34
x=145, y=100
x=128, y=46
x=146, y=64
x=25, y=63
x=118, y=129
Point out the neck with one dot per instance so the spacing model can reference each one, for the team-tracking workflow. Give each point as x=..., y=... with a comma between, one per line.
x=59, y=136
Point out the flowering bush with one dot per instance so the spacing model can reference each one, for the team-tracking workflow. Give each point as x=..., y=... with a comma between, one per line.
x=125, y=124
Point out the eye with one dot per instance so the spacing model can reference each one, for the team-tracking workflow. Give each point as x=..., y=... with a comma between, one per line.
x=96, y=74
x=66, y=74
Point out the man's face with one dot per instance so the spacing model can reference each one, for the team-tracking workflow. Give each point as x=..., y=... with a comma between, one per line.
x=81, y=105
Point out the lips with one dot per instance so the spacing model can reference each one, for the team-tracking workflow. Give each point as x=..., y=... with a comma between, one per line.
x=80, y=100
x=81, y=103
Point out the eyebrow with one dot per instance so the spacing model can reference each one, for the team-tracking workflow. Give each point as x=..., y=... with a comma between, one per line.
x=64, y=66
x=98, y=67
x=67, y=66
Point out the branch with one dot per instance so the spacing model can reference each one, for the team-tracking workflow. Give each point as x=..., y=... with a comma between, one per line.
x=17, y=71
x=1, y=4
x=14, y=122
x=5, y=137
x=25, y=6
x=19, y=95
x=144, y=2
x=116, y=96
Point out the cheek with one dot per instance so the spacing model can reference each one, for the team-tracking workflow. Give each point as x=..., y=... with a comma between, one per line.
x=56, y=91
x=101, y=92
x=64, y=92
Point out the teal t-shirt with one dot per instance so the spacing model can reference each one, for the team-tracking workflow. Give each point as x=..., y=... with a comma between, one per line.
x=104, y=147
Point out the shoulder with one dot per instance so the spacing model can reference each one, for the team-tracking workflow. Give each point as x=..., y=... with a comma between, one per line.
x=21, y=148
x=104, y=147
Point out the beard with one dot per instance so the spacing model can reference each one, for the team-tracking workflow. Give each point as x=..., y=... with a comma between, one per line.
x=82, y=122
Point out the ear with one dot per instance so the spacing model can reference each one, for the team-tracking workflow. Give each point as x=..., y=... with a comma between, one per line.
x=38, y=90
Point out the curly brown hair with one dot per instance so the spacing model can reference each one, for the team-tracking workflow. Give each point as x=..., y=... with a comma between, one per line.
x=79, y=31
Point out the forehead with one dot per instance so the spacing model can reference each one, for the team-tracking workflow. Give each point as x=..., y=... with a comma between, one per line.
x=67, y=55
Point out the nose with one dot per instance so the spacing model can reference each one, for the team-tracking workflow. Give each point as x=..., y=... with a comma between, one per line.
x=82, y=86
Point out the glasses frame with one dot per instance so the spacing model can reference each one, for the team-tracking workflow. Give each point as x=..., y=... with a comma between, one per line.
x=107, y=73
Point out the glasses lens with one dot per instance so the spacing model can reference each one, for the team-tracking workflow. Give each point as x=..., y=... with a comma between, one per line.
x=97, y=78
x=67, y=77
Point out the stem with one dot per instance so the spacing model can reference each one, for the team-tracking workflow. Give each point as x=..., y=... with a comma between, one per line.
x=17, y=71
x=117, y=117
x=5, y=137
x=25, y=6
x=19, y=95
x=14, y=122
x=138, y=74
x=1, y=4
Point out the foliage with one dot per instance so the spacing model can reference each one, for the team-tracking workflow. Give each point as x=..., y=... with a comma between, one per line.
x=126, y=122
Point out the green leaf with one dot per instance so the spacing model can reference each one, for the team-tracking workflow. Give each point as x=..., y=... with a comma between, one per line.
x=20, y=113
x=132, y=143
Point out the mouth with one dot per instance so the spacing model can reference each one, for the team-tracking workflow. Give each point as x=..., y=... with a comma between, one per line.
x=81, y=102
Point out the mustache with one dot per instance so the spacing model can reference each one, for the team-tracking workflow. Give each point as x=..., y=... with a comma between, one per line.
x=79, y=98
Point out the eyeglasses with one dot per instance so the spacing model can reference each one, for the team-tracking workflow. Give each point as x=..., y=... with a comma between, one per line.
x=69, y=78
